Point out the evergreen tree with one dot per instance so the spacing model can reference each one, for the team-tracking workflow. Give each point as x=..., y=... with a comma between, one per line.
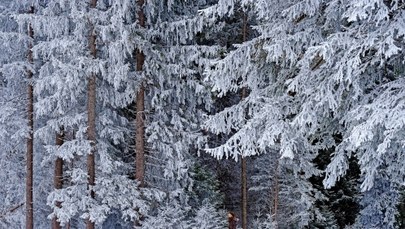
x=175, y=99
x=271, y=106
x=367, y=64
x=62, y=99
x=310, y=94
x=13, y=118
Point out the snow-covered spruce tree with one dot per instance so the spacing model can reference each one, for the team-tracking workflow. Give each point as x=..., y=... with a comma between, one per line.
x=62, y=99
x=136, y=42
x=68, y=61
x=13, y=122
x=26, y=30
x=342, y=200
x=347, y=80
x=365, y=93
x=175, y=99
x=205, y=197
x=227, y=31
x=345, y=75
x=342, y=64
x=265, y=65
x=264, y=190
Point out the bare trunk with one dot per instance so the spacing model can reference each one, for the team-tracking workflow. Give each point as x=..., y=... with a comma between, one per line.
x=140, y=110
x=275, y=196
x=30, y=140
x=91, y=117
x=140, y=114
x=243, y=161
x=140, y=133
x=58, y=176
x=244, y=193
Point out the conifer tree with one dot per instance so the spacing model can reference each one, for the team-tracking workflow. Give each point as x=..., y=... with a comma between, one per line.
x=310, y=95
x=271, y=107
x=13, y=115
x=175, y=99
x=62, y=103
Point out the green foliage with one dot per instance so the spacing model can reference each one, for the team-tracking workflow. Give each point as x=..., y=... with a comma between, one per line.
x=400, y=217
x=341, y=202
x=206, y=187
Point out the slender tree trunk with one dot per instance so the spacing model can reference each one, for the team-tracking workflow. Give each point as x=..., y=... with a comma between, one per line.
x=244, y=194
x=140, y=110
x=275, y=196
x=30, y=140
x=91, y=117
x=11, y=210
x=243, y=160
x=140, y=113
x=58, y=176
x=139, y=139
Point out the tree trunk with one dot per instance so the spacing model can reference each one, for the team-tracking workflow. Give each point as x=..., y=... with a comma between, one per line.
x=58, y=176
x=91, y=117
x=29, y=224
x=275, y=196
x=244, y=194
x=243, y=160
x=139, y=138
x=140, y=110
x=140, y=114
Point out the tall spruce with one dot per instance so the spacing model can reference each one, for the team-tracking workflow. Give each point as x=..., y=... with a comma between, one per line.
x=68, y=64
x=271, y=107
x=14, y=125
x=311, y=99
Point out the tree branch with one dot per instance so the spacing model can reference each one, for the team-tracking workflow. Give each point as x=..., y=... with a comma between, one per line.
x=11, y=210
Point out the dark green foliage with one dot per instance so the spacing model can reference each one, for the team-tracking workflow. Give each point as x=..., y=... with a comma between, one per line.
x=342, y=200
x=401, y=211
x=206, y=186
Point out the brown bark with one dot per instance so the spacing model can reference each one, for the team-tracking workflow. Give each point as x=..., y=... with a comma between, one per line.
x=58, y=176
x=139, y=138
x=141, y=14
x=11, y=210
x=91, y=116
x=243, y=160
x=29, y=224
x=140, y=113
x=244, y=194
x=244, y=181
x=140, y=110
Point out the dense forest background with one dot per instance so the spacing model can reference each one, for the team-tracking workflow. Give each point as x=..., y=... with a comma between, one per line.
x=181, y=113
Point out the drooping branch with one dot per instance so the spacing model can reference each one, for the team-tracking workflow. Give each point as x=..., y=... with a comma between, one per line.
x=10, y=210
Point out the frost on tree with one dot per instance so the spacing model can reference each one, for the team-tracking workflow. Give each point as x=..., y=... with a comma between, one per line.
x=61, y=90
x=13, y=122
x=264, y=65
